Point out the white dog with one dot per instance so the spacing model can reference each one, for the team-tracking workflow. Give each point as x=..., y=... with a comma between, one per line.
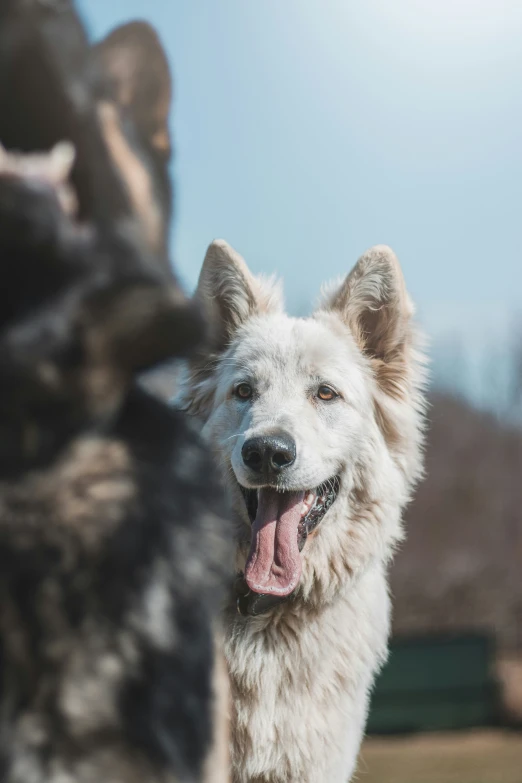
x=318, y=425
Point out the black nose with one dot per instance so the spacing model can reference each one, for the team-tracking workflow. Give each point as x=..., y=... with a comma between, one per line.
x=269, y=453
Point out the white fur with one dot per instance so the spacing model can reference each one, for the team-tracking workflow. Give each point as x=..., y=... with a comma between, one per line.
x=301, y=674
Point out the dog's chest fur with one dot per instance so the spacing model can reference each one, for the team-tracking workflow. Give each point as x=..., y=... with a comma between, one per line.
x=300, y=680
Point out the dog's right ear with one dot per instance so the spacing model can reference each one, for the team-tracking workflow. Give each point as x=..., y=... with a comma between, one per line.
x=229, y=294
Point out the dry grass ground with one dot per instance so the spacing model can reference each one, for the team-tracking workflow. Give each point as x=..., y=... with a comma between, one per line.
x=471, y=757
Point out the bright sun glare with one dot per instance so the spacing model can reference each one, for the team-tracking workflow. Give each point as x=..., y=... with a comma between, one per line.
x=468, y=24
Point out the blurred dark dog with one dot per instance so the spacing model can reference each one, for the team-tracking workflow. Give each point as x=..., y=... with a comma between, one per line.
x=112, y=533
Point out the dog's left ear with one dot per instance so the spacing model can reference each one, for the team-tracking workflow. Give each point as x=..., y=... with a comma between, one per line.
x=373, y=302
x=137, y=72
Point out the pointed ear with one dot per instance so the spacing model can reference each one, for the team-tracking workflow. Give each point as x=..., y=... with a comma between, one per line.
x=136, y=68
x=134, y=90
x=373, y=302
x=229, y=293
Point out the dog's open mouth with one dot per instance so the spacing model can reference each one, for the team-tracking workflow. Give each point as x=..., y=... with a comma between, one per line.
x=281, y=522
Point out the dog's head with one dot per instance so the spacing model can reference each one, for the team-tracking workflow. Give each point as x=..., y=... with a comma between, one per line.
x=87, y=297
x=308, y=415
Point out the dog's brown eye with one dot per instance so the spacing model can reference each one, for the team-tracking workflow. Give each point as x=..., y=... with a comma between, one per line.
x=243, y=391
x=326, y=393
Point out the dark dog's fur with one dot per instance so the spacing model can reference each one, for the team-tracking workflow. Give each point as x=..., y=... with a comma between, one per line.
x=112, y=540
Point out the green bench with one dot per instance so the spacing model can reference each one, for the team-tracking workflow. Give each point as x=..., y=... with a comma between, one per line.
x=435, y=683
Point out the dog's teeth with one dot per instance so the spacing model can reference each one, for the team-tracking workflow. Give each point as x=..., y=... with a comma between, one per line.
x=308, y=503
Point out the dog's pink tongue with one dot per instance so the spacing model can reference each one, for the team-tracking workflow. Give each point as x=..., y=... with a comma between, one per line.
x=274, y=562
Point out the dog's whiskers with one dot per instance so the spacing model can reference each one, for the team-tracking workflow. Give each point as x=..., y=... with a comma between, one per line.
x=231, y=437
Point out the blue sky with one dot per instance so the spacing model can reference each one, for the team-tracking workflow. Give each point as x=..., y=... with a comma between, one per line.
x=308, y=130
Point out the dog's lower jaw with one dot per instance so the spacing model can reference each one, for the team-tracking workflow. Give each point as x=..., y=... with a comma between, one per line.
x=251, y=604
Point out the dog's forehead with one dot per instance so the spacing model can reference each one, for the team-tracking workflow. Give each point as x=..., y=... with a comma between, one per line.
x=304, y=344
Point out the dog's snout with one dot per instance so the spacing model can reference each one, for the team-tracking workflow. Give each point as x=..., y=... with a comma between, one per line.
x=269, y=453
